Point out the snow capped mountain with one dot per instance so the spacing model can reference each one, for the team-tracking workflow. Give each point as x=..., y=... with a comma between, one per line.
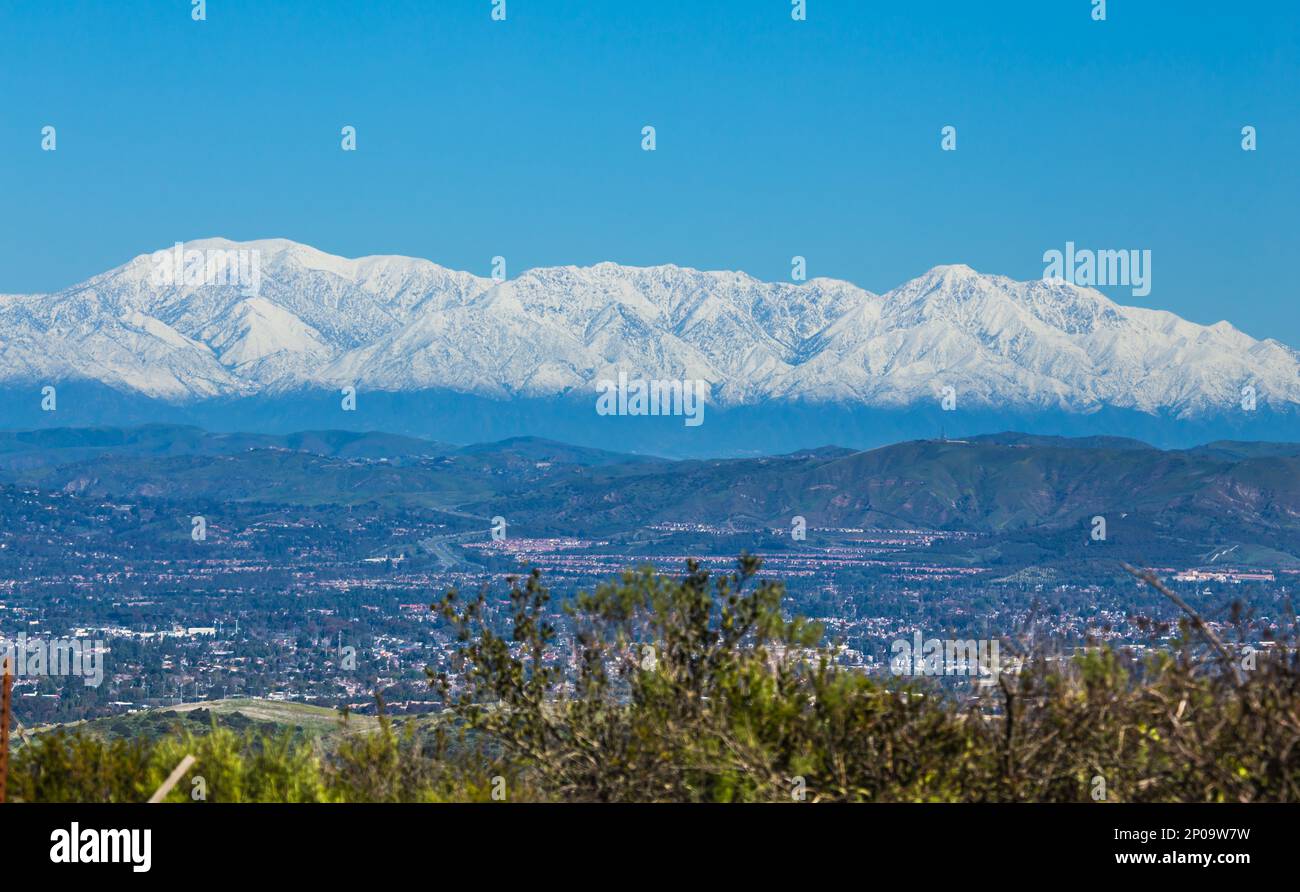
x=307, y=319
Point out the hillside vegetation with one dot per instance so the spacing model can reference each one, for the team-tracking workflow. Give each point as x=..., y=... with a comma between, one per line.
x=239, y=714
x=1167, y=506
x=699, y=689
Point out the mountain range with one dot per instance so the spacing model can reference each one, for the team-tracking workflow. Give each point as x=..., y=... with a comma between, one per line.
x=438, y=352
x=1032, y=498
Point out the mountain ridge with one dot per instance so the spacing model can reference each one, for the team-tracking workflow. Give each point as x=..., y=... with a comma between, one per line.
x=1042, y=492
x=449, y=355
x=398, y=324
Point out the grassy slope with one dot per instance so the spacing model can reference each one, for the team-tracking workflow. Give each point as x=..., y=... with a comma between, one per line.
x=238, y=714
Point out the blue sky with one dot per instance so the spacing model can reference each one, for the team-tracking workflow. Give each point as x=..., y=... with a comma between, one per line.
x=775, y=138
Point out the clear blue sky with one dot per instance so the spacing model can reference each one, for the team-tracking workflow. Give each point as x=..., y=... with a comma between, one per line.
x=775, y=137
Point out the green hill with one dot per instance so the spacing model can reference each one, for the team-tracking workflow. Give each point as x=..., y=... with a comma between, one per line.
x=263, y=717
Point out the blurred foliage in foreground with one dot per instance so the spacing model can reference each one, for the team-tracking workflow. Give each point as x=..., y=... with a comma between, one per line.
x=699, y=689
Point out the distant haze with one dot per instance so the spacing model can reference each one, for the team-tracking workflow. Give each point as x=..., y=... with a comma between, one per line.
x=947, y=347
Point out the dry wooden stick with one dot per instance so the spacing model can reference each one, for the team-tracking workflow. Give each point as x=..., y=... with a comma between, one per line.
x=177, y=773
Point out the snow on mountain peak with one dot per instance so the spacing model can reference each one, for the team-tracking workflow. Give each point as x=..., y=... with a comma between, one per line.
x=403, y=323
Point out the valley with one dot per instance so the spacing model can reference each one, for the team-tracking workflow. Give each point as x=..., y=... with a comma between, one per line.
x=322, y=551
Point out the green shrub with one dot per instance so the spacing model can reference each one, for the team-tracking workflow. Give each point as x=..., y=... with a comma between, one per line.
x=699, y=689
